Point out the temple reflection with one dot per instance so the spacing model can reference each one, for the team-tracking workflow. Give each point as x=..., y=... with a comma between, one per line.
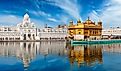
x=88, y=55
x=85, y=55
x=26, y=51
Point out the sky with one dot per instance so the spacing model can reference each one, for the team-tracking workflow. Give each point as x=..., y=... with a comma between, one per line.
x=58, y=12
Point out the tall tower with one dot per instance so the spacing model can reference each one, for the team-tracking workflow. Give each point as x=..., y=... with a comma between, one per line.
x=100, y=23
x=46, y=25
x=26, y=20
x=26, y=17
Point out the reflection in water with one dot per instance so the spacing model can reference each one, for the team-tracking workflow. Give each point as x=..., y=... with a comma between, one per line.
x=26, y=51
x=114, y=48
x=86, y=55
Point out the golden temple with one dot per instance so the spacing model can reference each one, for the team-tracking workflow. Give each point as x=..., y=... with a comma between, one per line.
x=85, y=30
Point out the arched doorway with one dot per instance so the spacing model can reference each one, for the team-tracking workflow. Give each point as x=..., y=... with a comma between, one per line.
x=24, y=36
x=6, y=38
x=29, y=35
x=33, y=36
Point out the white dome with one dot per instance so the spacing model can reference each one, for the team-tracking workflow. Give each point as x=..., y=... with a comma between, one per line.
x=26, y=16
x=32, y=24
x=19, y=25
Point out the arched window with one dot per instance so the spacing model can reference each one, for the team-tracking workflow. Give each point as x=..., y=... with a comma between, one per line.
x=79, y=32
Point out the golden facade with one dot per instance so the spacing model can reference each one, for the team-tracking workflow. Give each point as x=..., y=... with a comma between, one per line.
x=85, y=30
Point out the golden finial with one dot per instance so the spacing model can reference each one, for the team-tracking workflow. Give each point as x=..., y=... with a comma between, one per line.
x=79, y=21
x=88, y=18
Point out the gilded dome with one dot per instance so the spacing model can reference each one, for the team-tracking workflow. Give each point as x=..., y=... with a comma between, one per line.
x=79, y=21
x=71, y=21
x=88, y=21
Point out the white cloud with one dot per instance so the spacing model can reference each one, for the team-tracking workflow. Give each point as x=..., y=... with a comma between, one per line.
x=52, y=19
x=12, y=20
x=69, y=6
x=64, y=19
x=111, y=15
x=38, y=23
x=94, y=16
x=9, y=20
x=42, y=13
x=8, y=12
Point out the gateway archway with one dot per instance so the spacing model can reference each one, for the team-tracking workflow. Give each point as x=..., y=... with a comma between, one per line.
x=24, y=36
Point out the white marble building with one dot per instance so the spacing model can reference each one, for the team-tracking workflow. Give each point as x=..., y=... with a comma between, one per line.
x=27, y=30
x=52, y=33
x=111, y=33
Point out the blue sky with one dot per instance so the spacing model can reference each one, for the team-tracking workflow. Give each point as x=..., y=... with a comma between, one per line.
x=54, y=12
